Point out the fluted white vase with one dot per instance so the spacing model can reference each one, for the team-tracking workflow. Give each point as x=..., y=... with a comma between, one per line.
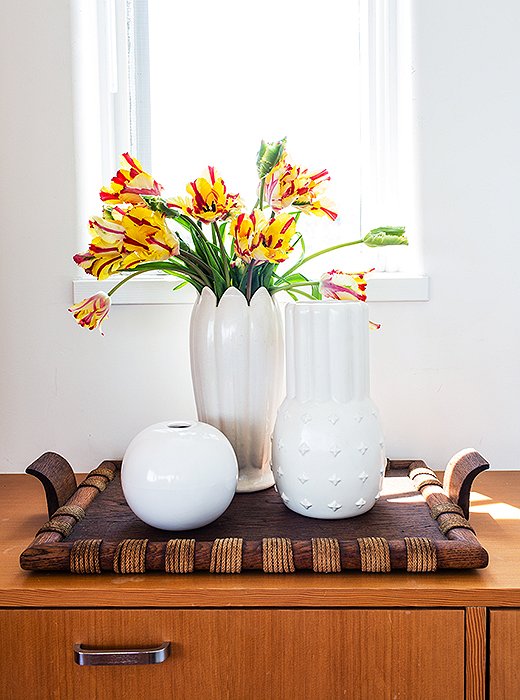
x=236, y=352
x=328, y=448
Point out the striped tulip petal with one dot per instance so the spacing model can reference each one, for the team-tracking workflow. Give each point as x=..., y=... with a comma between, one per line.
x=130, y=184
x=90, y=312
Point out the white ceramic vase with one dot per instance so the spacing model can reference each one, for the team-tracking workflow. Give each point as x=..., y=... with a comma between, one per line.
x=236, y=352
x=328, y=450
x=179, y=475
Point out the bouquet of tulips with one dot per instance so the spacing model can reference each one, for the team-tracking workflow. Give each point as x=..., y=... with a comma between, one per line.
x=209, y=239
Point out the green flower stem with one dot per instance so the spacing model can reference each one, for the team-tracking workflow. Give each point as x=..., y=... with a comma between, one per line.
x=223, y=253
x=286, y=287
x=187, y=275
x=321, y=252
x=249, y=282
x=124, y=281
x=261, y=193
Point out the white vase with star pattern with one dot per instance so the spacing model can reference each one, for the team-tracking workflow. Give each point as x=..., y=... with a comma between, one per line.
x=328, y=448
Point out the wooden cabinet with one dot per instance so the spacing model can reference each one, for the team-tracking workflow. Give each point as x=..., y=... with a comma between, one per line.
x=253, y=636
x=237, y=654
x=504, y=657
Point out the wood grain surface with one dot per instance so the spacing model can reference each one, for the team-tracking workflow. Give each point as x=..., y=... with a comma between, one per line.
x=504, y=669
x=238, y=654
x=495, y=514
x=476, y=653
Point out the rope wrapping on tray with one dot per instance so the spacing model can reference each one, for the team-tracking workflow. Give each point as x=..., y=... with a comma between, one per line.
x=179, y=557
x=130, y=557
x=226, y=556
x=375, y=555
x=277, y=555
x=448, y=507
x=103, y=471
x=449, y=521
x=326, y=556
x=75, y=512
x=98, y=482
x=421, y=554
x=84, y=557
x=56, y=525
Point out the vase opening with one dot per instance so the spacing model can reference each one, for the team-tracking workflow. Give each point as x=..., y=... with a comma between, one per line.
x=177, y=425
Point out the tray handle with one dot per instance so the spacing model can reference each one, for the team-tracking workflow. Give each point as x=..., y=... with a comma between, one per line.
x=121, y=657
x=57, y=477
x=460, y=474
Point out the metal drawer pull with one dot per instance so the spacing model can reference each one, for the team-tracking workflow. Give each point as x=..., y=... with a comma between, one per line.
x=121, y=657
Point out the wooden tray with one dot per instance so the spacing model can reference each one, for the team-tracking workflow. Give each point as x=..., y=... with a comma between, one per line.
x=418, y=524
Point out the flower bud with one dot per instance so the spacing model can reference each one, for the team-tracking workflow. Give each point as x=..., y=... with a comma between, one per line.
x=385, y=235
x=269, y=156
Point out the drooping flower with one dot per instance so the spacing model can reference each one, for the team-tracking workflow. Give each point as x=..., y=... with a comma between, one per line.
x=288, y=185
x=348, y=286
x=131, y=236
x=129, y=184
x=261, y=240
x=90, y=312
x=208, y=199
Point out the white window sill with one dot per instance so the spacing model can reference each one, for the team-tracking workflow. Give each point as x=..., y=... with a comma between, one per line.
x=157, y=289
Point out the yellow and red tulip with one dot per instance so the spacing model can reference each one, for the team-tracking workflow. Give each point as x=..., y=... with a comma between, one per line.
x=146, y=234
x=291, y=186
x=276, y=239
x=246, y=230
x=261, y=240
x=130, y=236
x=129, y=184
x=208, y=199
x=90, y=312
x=348, y=286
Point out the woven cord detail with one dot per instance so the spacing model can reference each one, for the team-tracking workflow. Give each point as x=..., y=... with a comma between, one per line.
x=421, y=554
x=179, y=556
x=448, y=507
x=226, y=556
x=375, y=554
x=75, y=512
x=277, y=555
x=449, y=521
x=130, y=557
x=84, y=557
x=326, y=556
x=103, y=471
x=98, y=482
x=56, y=525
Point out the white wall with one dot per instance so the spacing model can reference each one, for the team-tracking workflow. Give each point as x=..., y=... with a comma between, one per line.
x=444, y=373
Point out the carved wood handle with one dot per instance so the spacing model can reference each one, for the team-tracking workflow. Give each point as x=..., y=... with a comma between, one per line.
x=460, y=474
x=121, y=657
x=57, y=477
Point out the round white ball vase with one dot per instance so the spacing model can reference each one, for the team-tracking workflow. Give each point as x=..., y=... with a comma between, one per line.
x=179, y=475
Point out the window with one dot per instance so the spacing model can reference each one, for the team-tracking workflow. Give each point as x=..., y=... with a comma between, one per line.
x=184, y=85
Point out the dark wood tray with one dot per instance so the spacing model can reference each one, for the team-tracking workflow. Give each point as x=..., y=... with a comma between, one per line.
x=418, y=524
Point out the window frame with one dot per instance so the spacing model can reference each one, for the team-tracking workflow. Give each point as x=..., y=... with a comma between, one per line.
x=123, y=82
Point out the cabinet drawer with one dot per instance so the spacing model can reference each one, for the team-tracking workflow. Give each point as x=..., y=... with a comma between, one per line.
x=237, y=654
x=504, y=669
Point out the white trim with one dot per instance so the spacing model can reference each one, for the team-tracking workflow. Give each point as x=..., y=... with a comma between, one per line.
x=157, y=289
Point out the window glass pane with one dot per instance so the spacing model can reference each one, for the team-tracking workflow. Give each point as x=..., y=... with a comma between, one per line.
x=224, y=75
